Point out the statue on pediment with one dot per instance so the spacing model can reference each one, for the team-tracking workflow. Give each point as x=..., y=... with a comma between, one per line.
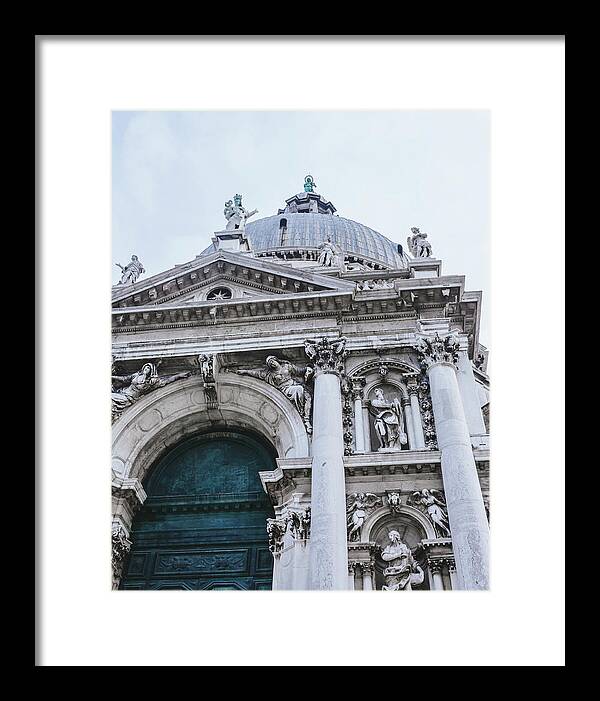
x=131, y=271
x=418, y=244
x=236, y=214
x=291, y=380
x=402, y=571
x=137, y=385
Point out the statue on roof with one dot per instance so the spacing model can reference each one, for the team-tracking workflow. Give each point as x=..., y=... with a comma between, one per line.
x=309, y=184
x=131, y=271
x=236, y=214
x=329, y=254
x=418, y=245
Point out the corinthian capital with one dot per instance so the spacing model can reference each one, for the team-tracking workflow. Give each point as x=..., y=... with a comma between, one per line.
x=327, y=356
x=433, y=349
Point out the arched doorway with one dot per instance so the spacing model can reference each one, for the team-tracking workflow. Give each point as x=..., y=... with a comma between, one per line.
x=203, y=524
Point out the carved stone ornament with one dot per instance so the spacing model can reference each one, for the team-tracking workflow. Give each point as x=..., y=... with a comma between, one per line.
x=432, y=502
x=358, y=505
x=299, y=524
x=276, y=529
x=402, y=571
x=327, y=356
x=394, y=502
x=206, y=370
x=121, y=545
x=137, y=385
x=432, y=350
x=291, y=380
x=427, y=418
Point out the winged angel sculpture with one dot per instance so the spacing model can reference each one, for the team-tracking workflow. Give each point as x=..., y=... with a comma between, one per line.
x=357, y=505
x=435, y=506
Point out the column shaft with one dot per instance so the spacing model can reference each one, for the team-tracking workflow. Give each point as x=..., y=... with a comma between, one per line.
x=359, y=429
x=417, y=423
x=328, y=543
x=469, y=395
x=466, y=511
x=407, y=409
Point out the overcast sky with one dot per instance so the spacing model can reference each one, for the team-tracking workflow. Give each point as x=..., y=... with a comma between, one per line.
x=173, y=171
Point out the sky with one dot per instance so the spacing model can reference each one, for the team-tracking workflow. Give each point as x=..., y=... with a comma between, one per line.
x=390, y=170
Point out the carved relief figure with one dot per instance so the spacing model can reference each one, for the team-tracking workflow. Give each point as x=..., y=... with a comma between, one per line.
x=137, y=385
x=388, y=421
x=121, y=545
x=291, y=380
x=436, y=509
x=356, y=511
x=418, y=245
x=402, y=571
x=131, y=271
x=394, y=501
x=236, y=214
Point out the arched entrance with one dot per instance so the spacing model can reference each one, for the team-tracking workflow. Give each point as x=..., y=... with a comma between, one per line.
x=203, y=524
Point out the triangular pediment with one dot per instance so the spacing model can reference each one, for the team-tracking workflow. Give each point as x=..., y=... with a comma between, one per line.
x=240, y=274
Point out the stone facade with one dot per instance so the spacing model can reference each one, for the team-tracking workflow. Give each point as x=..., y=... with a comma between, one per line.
x=375, y=405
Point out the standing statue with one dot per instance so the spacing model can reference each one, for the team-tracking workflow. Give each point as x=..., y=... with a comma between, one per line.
x=356, y=511
x=329, y=255
x=289, y=379
x=436, y=509
x=235, y=214
x=402, y=571
x=418, y=245
x=131, y=271
x=137, y=385
x=309, y=184
x=388, y=421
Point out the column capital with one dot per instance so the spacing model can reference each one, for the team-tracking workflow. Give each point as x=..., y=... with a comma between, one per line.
x=357, y=385
x=327, y=355
x=436, y=350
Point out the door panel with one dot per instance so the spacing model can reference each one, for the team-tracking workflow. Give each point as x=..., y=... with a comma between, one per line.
x=203, y=525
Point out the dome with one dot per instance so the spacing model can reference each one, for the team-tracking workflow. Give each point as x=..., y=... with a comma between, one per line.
x=308, y=220
x=310, y=230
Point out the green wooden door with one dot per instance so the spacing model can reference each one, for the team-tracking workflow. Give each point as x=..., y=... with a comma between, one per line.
x=203, y=525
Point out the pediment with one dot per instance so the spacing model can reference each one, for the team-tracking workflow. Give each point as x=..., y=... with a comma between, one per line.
x=244, y=276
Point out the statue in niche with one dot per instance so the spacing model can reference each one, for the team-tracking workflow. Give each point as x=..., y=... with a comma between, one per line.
x=131, y=271
x=357, y=505
x=137, y=385
x=436, y=510
x=388, y=421
x=402, y=571
x=291, y=380
x=418, y=245
x=236, y=214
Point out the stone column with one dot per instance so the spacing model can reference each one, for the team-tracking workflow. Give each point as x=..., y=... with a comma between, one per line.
x=351, y=566
x=413, y=393
x=435, y=567
x=407, y=409
x=469, y=395
x=367, y=570
x=359, y=429
x=466, y=511
x=452, y=571
x=328, y=558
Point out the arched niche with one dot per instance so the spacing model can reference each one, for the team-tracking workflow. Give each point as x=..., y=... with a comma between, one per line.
x=413, y=527
x=392, y=388
x=162, y=418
